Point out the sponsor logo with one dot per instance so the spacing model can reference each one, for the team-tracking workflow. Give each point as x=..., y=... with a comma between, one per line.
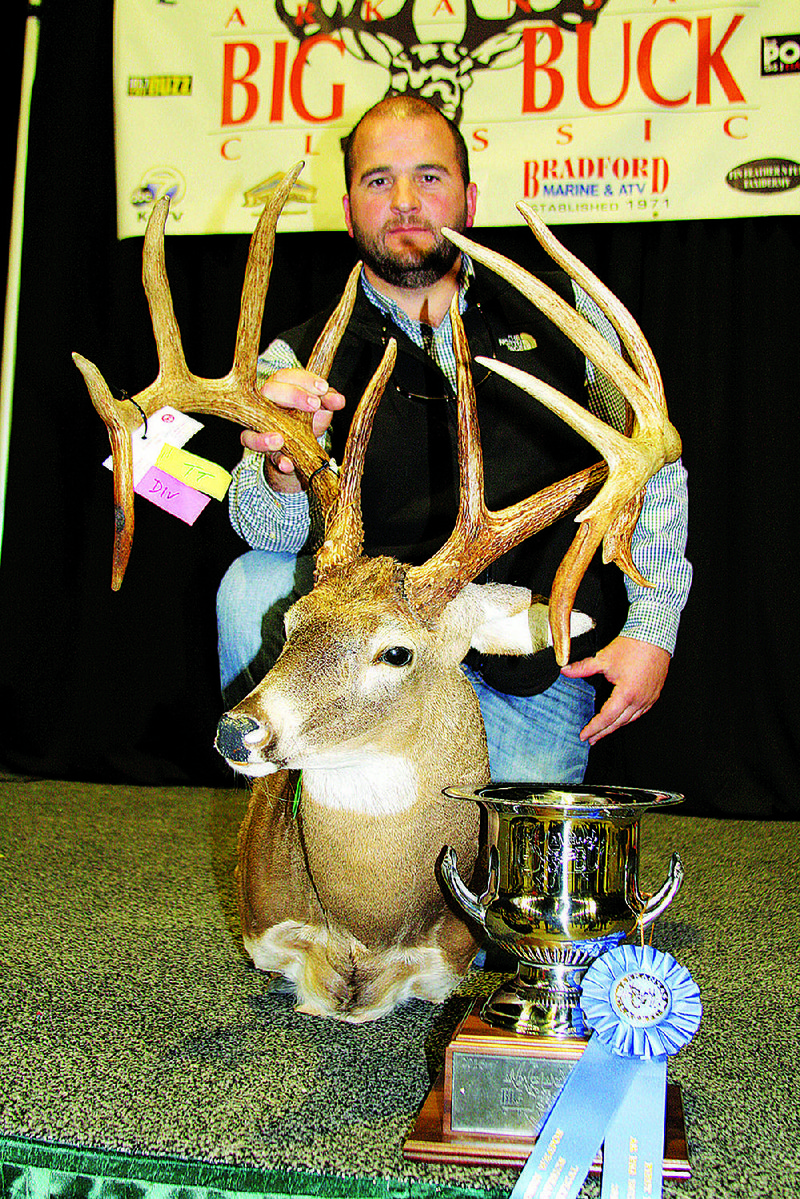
x=780, y=55
x=518, y=342
x=260, y=193
x=158, y=182
x=765, y=175
x=159, y=85
x=577, y=178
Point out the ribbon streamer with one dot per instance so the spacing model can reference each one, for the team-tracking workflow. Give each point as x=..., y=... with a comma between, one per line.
x=643, y=1007
x=633, y=1150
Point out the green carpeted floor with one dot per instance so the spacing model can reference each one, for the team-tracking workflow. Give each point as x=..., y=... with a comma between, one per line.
x=132, y=1024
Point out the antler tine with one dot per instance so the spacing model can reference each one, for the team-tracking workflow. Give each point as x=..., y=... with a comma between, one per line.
x=480, y=535
x=119, y=436
x=344, y=535
x=172, y=368
x=432, y=585
x=630, y=334
x=632, y=461
x=577, y=328
x=327, y=343
x=256, y=278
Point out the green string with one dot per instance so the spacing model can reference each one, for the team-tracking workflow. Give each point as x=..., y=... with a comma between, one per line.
x=297, y=791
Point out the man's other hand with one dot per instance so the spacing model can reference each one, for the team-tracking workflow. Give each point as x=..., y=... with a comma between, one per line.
x=637, y=670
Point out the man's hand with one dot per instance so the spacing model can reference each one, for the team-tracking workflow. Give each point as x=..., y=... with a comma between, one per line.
x=638, y=671
x=292, y=388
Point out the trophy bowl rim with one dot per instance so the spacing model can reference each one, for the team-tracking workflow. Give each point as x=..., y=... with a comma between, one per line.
x=578, y=801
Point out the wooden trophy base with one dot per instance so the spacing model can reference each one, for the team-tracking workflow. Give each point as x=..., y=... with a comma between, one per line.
x=481, y=1110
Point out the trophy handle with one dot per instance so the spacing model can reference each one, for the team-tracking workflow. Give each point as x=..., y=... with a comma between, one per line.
x=656, y=904
x=474, y=907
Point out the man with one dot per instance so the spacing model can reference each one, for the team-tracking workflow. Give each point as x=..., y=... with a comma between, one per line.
x=407, y=177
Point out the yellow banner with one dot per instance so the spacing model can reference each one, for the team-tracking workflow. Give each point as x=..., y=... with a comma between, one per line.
x=591, y=110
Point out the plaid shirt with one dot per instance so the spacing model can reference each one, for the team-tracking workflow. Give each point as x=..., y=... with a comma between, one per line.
x=267, y=520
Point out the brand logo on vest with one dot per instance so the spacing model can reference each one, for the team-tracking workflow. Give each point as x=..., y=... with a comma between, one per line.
x=516, y=342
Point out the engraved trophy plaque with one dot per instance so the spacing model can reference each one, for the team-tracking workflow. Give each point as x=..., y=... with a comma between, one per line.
x=562, y=889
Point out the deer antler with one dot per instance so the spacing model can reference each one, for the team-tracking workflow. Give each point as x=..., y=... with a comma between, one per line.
x=612, y=514
x=480, y=536
x=233, y=396
x=344, y=534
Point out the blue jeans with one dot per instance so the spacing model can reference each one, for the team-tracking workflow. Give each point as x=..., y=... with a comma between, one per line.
x=254, y=596
x=530, y=738
x=534, y=738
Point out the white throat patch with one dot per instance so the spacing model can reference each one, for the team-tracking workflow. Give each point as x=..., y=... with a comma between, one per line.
x=376, y=785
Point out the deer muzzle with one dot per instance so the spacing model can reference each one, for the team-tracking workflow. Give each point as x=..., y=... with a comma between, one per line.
x=242, y=740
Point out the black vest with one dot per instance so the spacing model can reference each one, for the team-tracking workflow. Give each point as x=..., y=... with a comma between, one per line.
x=410, y=484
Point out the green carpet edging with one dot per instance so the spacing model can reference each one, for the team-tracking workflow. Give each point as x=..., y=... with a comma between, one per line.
x=101, y=1166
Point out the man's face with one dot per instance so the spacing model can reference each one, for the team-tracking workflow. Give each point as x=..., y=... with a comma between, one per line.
x=406, y=184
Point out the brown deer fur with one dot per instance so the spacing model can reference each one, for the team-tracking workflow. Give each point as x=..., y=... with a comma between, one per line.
x=344, y=899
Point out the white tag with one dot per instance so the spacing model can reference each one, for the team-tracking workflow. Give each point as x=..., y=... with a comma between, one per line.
x=167, y=426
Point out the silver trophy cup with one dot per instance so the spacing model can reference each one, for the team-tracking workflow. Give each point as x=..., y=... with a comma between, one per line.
x=563, y=888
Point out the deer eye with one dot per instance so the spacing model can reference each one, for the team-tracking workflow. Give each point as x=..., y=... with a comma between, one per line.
x=396, y=655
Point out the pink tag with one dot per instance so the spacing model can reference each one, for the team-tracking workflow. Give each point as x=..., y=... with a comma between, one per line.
x=171, y=495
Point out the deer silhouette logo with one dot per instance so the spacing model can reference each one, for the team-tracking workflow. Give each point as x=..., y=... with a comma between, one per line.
x=439, y=71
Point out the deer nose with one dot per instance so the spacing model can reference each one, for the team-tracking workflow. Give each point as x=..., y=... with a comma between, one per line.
x=236, y=736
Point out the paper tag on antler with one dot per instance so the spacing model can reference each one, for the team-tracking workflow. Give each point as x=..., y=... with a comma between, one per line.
x=167, y=426
x=173, y=496
x=167, y=431
x=195, y=471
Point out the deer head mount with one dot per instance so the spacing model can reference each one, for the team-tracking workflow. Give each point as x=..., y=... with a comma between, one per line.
x=367, y=700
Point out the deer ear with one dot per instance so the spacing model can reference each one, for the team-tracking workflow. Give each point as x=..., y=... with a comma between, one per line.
x=511, y=624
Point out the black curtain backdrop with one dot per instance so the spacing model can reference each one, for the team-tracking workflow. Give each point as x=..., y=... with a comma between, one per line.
x=123, y=687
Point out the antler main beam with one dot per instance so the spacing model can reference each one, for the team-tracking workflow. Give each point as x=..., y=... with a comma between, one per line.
x=233, y=396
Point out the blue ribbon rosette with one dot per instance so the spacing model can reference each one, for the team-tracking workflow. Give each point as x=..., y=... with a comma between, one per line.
x=643, y=1007
x=640, y=1003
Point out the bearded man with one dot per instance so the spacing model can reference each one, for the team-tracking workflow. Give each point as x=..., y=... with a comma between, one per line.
x=407, y=177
